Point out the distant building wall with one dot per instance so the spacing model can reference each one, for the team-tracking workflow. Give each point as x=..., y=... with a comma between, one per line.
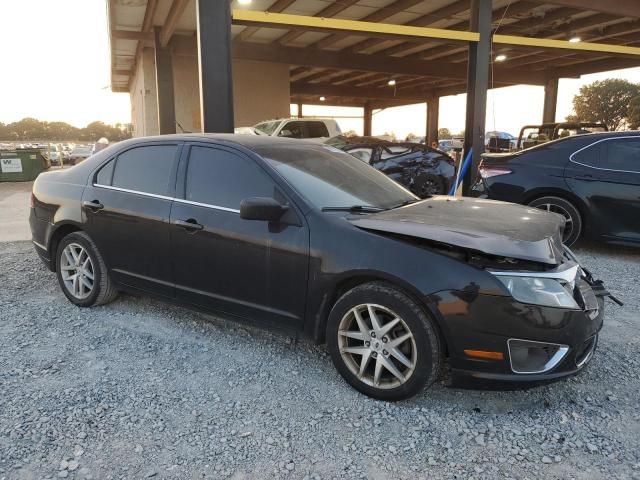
x=260, y=90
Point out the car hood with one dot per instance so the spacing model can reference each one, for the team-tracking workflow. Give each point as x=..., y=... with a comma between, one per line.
x=491, y=227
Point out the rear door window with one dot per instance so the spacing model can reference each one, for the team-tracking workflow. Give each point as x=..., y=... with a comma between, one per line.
x=221, y=178
x=622, y=154
x=293, y=130
x=362, y=153
x=145, y=169
x=317, y=130
x=394, y=151
x=589, y=157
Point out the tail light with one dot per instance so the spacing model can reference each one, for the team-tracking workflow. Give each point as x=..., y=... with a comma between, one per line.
x=487, y=172
x=32, y=200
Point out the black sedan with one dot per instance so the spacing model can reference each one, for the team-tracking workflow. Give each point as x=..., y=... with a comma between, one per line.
x=592, y=180
x=422, y=169
x=295, y=234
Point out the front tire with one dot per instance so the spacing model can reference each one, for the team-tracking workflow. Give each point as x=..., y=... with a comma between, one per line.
x=82, y=273
x=573, y=219
x=382, y=343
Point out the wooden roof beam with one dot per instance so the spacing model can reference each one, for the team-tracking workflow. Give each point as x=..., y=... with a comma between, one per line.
x=276, y=7
x=370, y=63
x=170, y=23
x=377, y=16
x=422, y=21
x=329, y=11
x=623, y=8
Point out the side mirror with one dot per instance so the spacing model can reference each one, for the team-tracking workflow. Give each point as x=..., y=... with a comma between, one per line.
x=262, y=208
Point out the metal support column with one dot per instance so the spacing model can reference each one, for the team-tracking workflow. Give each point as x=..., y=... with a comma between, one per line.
x=299, y=109
x=477, y=85
x=367, y=116
x=550, y=100
x=433, y=109
x=214, y=61
x=164, y=87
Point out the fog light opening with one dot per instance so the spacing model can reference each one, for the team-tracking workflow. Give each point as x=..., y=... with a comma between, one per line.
x=529, y=357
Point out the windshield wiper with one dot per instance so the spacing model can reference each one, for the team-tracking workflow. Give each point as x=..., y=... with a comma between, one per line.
x=403, y=204
x=354, y=208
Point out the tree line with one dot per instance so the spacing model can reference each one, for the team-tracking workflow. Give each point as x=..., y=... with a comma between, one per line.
x=614, y=102
x=31, y=129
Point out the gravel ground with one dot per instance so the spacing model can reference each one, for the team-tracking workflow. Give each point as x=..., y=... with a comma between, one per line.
x=141, y=389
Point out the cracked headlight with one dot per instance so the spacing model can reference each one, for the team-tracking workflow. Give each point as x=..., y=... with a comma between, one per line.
x=548, y=292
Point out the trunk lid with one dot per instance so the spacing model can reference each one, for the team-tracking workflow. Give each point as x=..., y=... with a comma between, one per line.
x=488, y=226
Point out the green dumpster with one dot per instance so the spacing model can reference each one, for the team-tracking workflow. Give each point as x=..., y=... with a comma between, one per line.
x=21, y=165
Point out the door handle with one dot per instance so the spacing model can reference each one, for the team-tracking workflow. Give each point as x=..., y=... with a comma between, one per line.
x=190, y=224
x=94, y=205
x=586, y=178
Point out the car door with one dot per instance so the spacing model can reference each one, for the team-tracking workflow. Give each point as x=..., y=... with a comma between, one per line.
x=619, y=185
x=127, y=207
x=606, y=175
x=248, y=268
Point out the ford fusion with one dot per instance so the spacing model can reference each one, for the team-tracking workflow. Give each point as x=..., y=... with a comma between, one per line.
x=303, y=236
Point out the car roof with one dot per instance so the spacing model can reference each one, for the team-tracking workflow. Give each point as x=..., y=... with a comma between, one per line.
x=249, y=141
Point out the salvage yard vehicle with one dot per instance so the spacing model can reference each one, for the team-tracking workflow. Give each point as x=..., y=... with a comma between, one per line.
x=592, y=180
x=422, y=169
x=302, y=235
x=79, y=153
x=532, y=135
x=308, y=127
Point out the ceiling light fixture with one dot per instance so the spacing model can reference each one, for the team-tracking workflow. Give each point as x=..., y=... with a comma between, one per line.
x=501, y=58
x=322, y=99
x=391, y=82
x=244, y=2
x=574, y=39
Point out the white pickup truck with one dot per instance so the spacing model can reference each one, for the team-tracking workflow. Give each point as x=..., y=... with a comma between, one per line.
x=310, y=128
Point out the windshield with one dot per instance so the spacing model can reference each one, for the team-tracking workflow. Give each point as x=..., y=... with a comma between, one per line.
x=267, y=127
x=328, y=177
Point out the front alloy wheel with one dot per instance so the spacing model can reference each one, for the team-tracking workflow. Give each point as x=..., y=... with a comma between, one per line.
x=382, y=342
x=377, y=346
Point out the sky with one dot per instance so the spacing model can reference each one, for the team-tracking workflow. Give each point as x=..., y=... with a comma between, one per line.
x=60, y=71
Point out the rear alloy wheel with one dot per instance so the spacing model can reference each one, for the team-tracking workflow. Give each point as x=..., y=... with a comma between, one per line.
x=76, y=270
x=82, y=273
x=382, y=342
x=573, y=220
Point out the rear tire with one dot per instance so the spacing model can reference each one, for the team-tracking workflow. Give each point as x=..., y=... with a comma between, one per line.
x=388, y=365
x=82, y=273
x=573, y=219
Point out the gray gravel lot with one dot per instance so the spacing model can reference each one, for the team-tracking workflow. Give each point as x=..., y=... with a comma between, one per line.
x=140, y=388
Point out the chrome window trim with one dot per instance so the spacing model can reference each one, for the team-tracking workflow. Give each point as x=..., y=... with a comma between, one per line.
x=137, y=192
x=550, y=365
x=206, y=205
x=637, y=137
x=164, y=197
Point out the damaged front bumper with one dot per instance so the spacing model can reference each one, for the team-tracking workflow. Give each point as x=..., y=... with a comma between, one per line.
x=527, y=342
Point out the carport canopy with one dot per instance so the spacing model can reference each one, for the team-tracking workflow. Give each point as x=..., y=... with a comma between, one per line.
x=348, y=51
